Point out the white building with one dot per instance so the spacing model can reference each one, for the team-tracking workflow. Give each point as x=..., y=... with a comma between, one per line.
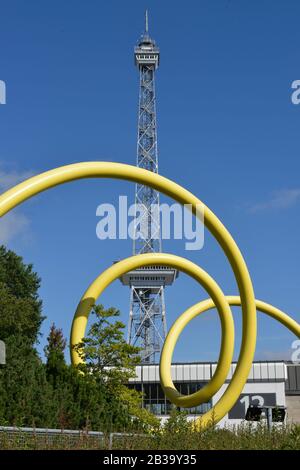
x=269, y=383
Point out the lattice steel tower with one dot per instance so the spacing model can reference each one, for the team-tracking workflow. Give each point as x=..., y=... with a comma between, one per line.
x=147, y=326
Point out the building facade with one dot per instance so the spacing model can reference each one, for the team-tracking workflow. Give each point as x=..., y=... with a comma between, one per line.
x=269, y=383
x=292, y=392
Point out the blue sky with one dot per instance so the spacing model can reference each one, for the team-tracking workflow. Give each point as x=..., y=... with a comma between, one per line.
x=227, y=131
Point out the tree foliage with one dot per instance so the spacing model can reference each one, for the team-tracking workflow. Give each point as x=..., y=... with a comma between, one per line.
x=20, y=305
x=54, y=393
x=110, y=361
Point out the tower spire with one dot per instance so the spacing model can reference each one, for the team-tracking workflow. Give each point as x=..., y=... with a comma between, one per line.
x=146, y=22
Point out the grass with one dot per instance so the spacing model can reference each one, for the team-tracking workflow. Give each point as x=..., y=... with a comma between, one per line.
x=246, y=436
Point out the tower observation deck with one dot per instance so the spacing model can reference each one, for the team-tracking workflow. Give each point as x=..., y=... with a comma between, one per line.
x=147, y=326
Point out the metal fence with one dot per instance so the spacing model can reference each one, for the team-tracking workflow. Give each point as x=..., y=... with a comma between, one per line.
x=28, y=438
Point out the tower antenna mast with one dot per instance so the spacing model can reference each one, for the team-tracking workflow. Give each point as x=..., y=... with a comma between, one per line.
x=147, y=326
x=146, y=22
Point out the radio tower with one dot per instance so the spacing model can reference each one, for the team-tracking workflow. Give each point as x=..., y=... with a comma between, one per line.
x=147, y=326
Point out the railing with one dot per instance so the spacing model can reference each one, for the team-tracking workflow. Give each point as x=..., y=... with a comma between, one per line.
x=42, y=438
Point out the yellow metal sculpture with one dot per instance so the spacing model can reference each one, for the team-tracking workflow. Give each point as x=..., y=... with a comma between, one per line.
x=246, y=299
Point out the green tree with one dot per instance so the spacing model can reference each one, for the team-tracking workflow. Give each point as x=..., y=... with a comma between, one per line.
x=20, y=305
x=110, y=361
x=25, y=390
x=105, y=351
x=23, y=385
x=54, y=352
x=56, y=394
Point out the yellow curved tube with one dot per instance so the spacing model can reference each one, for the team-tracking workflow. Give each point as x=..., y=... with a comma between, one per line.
x=64, y=174
x=219, y=300
x=180, y=323
x=203, y=395
x=61, y=175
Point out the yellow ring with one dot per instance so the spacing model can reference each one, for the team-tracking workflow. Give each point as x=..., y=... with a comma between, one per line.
x=39, y=183
x=190, y=314
x=227, y=343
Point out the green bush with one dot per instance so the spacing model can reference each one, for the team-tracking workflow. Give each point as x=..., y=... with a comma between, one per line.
x=177, y=434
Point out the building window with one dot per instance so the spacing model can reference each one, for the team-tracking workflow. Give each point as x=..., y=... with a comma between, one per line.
x=155, y=401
